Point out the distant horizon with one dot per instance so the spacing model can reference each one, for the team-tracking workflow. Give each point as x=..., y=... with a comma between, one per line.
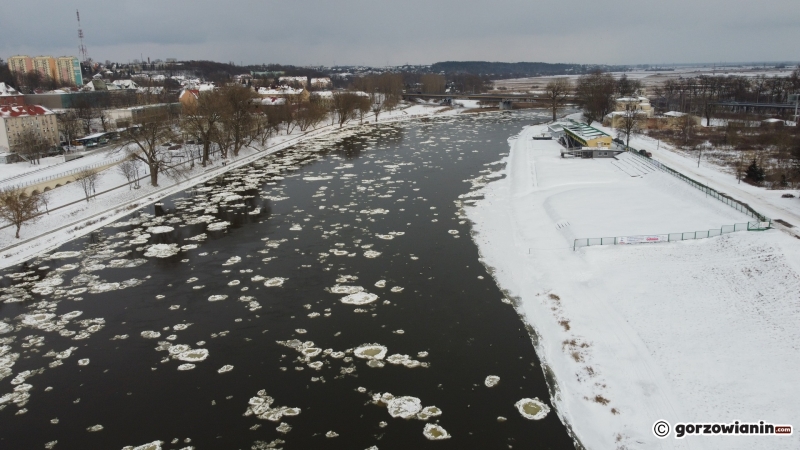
x=788, y=63
x=380, y=34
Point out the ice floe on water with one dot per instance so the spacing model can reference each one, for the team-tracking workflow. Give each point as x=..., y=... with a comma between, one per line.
x=64, y=255
x=155, y=445
x=232, y=260
x=95, y=428
x=217, y=297
x=83, y=362
x=491, y=381
x=372, y=254
x=162, y=250
x=34, y=320
x=261, y=407
x=275, y=282
x=405, y=407
x=370, y=351
x=435, y=432
x=126, y=263
x=345, y=289
x=225, y=369
x=380, y=283
x=6, y=328
x=195, y=355
x=532, y=408
x=397, y=289
x=160, y=229
x=374, y=211
x=359, y=298
x=151, y=334
x=183, y=367
x=216, y=226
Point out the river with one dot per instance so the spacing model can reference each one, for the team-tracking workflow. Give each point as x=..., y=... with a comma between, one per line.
x=317, y=298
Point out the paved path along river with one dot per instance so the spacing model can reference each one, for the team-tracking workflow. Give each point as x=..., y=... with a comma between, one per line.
x=328, y=296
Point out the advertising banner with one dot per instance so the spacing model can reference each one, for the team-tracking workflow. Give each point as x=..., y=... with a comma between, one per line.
x=651, y=239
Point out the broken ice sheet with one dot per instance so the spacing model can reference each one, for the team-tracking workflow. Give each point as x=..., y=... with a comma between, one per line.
x=532, y=408
x=435, y=432
x=359, y=298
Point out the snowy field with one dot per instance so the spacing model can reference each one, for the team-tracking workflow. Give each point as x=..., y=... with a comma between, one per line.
x=695, y=331
x=766, y=201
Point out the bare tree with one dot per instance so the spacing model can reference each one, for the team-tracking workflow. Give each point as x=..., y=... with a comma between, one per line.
x=377, y=104
x=264, y=128
x=344, y=104
x=87, y=180
x=556, y=94
x=144, y=142
x=84, y=111
x=202, y=119
x=237, y=121
x=627, y=87
x=686, y=128
x=128, y=169
x=310, y=114
x=17, y=208
x=68, y=125
x=433, y=84
x=630, y=122
x=364, y=106
x=595, y=94
x=31, y=145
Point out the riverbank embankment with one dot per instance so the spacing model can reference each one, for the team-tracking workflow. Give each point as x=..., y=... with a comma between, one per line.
x=693, y=331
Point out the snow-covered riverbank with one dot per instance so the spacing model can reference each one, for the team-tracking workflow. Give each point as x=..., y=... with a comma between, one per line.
x=695, y=331
x=80, y=218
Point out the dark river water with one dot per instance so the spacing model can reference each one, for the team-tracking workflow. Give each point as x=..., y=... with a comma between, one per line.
x=240, y=314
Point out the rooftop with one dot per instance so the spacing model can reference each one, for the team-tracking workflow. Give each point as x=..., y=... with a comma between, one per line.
x=7, y=90
x=582, y=130
x=21, y=111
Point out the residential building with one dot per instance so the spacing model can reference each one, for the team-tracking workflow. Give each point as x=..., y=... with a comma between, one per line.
x=20, y=63
x=635, y=103
x=16, y=119
x=285, y=92
x=125, y=117
x=320, y=83
x=64, y=69
x=68, y=69
x=302, y=81
x=10, y=96
x=188, y=97
x=46, y=66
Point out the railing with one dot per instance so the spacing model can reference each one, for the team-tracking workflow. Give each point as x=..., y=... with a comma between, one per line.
x=671, y=237
x=737, y=205
x=61, y=174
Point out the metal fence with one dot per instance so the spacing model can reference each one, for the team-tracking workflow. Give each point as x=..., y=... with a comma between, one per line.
x=737, y=205
x=672, y=237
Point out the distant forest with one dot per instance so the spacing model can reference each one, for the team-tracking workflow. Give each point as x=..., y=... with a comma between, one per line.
x=498, y=70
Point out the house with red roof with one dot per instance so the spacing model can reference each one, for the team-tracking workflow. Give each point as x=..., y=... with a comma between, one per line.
x=14, y=120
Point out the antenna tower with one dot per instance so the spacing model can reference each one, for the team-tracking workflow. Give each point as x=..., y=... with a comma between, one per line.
x=82, y=48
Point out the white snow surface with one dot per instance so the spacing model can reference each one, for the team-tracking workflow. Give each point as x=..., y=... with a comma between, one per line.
x=693, y=331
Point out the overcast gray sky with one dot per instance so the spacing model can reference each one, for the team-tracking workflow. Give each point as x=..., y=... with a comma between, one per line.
x=377, y=32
